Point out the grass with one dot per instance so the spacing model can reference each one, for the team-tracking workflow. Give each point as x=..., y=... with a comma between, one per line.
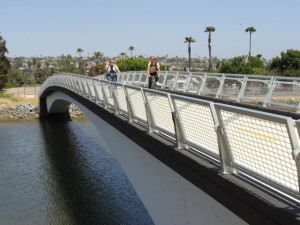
x=8, y=100
x=8, y=96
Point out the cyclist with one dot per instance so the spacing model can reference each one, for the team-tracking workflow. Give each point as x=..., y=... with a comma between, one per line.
x=111, y=71
x=153, y=72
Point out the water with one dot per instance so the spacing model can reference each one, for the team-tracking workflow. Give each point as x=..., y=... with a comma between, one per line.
x=62, y=173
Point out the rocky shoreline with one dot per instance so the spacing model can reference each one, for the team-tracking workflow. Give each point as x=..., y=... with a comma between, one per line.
x=32, y=112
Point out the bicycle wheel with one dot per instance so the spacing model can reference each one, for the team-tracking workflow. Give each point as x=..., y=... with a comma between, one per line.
x=153, y=83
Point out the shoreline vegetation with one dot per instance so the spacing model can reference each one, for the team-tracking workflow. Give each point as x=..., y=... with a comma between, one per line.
x=16, y=108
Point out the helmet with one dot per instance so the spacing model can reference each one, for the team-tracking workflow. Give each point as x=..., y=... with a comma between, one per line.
x=153, y=58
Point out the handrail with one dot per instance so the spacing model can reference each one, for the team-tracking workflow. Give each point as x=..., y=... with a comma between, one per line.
x=260, y=145
x=268, y=91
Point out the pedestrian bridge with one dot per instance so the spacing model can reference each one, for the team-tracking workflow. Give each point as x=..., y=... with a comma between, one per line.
x=191, y=161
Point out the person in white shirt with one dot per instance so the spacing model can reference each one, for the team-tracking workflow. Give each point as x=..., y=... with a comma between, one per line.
x=111, y=71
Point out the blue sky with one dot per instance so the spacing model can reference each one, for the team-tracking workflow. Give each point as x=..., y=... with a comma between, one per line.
x=157, y=27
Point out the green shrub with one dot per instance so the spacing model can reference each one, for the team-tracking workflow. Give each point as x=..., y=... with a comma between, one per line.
x=132, y=64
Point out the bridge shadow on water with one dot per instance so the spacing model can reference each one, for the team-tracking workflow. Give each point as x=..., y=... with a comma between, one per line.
x=94, y=187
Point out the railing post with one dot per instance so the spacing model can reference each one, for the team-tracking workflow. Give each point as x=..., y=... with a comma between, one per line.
x=225, y=159
x=128, y=78
x=221, y=85
x=97, y=98
x=129, y=106
x=243, y=87
x=73, y=81
x=298, y=108
x=85, y=91
x=64, y=82
x=163, y=85
x=175, y=81
x=147, y=80
x=295, y=144
x=79, y=84
x=130, y=81
x=188, y=82
x=202, y=84
x=270, y=92
x=149, y=115
x=179, y=134
x=104, y=96
x=114, y=96
x=69, y=81
x=140, y=79
x=75, y=84
x=90, y=96
x=122, y=77
x=82, y=86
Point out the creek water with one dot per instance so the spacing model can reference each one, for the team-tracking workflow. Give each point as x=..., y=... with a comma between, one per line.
x=62, y=173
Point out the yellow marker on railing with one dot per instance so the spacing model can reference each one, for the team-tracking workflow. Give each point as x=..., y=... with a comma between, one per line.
x=258, y=135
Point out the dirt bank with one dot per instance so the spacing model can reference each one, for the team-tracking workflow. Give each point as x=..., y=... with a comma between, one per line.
x=19, y=96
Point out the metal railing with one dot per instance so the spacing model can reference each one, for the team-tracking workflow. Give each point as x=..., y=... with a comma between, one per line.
x=268, y=91
x=262, y=146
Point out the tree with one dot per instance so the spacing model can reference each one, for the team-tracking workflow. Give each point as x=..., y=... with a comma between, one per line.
x=49, y=70
x=286, y=65
x=209, y=30
x=66, y=64
x=134, y=64
x=15, y=77
x=189, y=40
x=97, y=70
x=79, y=50
x=4, y=63
x=240, y=65
x=98, y=55
x=122, y=54
x=34, y=71
x=131, y=49
x=250, y=30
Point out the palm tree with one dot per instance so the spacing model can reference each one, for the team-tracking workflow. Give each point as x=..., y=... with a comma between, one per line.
x=79, y=50
x=131, y=48
x=97, y=55
x=251, y=30
x=122, y=54
x=209, y=30
x=189, y=40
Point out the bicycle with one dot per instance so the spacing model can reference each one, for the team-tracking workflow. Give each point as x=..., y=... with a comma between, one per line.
x=152, y=81
x=113, y=77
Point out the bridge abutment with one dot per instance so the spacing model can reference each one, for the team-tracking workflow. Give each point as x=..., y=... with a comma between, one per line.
x=46, y=116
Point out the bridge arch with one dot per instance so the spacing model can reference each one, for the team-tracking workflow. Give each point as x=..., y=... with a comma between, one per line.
x=58, y=102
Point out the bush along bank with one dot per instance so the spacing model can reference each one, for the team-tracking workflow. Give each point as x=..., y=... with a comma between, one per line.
x=33, y=112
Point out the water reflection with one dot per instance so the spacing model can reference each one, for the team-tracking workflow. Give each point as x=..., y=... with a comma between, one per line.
x=24, y=196
x=94, y=188
x=61, y=173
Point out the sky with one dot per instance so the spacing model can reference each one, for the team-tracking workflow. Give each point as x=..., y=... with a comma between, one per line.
x=34, y=28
